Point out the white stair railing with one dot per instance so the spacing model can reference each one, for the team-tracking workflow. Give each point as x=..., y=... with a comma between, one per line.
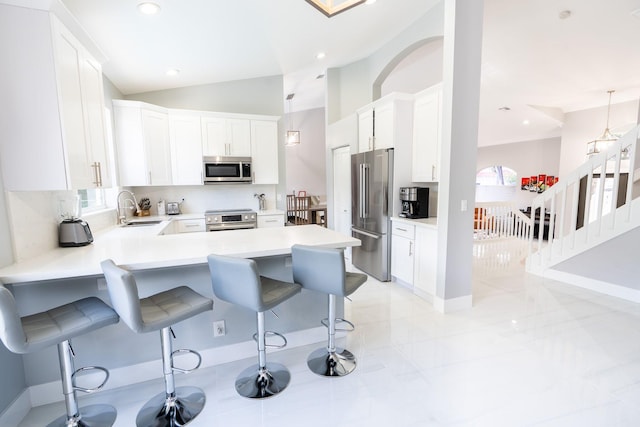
x=499, y=220
x=582, y=209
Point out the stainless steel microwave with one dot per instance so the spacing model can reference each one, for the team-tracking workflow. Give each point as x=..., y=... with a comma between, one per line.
x=223, y=169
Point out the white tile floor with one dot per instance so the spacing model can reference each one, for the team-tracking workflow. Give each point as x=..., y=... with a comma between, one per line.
x=531, y=352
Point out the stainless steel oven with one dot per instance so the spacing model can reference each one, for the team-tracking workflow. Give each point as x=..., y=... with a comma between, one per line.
x=233, y=219
x=222, y=169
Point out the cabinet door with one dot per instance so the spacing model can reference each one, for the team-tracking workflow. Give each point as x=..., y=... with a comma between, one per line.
x=384, y=126
x=95, y=122
x=239, y=135
x=155, y=128
x=214, y=136
x=266, y=221
x=264, y=146
x=365, y=131
x=191, y=225
x=186, y=149
x=82, y=111
x=402, y=254
x=427, y=136
x=426, y=258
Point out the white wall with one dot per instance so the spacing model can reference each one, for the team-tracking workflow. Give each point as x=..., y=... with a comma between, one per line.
x=352, y=86
x=526, y=159
x=419, y=70
x=306, y=168
x=583, y=126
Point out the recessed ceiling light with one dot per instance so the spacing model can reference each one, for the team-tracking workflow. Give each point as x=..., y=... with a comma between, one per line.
x=370, y=2
x=173, y=72
x=525, y=122
x=148, y=7
x=320, y=55
x=564, y=14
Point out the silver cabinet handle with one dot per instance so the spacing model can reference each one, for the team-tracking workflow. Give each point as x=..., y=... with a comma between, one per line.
x=410, y=248
x=433, y=172
x=401, y=229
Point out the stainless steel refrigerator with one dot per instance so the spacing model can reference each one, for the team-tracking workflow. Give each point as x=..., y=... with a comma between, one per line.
x=371, y=209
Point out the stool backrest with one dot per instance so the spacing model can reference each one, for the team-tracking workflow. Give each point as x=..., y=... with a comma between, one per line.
x=123, y=292
x=319, y=269
x=236, y=280
x=11, y=332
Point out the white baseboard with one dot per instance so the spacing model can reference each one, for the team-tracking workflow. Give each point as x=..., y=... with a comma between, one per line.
x=43, y=394
x=19, y=409
x=606, y=288
x=453, y=304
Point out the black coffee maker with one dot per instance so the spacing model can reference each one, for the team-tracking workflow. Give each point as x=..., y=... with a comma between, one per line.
x=415, y=202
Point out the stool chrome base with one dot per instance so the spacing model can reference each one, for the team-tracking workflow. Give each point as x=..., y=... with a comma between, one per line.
x=179, y=410
x=256, y=383
x=90, y=416
x=331, y=364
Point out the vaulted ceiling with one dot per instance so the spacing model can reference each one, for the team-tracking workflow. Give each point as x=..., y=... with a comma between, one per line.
x=538, y=60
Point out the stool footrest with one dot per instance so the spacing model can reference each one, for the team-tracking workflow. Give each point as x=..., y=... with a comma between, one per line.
x=272, y=334
x=351, y=327
x=182, y=351
x=91, y=368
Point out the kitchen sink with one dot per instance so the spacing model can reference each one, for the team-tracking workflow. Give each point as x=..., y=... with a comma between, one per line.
x=142, y=223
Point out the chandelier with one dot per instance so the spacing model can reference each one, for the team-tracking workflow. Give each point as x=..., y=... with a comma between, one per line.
x=292, y=137
x=607, y=138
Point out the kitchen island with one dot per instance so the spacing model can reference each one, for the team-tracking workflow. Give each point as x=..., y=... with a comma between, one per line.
x=159, y=262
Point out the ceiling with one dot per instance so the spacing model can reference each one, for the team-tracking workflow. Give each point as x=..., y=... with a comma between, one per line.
x=534, y=62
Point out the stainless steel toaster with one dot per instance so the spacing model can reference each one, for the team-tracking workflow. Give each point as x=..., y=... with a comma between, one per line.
x=173, y=208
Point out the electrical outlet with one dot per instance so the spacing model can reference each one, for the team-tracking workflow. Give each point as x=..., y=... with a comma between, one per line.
x=219, y=328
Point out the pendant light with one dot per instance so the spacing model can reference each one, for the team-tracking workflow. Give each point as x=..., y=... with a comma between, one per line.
x=293, y=136
x=607, y=138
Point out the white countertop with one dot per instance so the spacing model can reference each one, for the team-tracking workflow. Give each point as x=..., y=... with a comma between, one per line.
x=421, y=222
x=142, y=247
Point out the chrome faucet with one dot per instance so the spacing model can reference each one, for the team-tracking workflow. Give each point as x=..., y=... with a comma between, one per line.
x=122, y=214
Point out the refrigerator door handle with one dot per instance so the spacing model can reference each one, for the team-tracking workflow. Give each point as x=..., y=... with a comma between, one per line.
x=374, y=236
x=364, y=191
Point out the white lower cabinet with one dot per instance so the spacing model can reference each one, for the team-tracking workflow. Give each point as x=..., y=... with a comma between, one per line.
x=402, y=252
x=426, y=258
x=271, y=220
x=190, y=225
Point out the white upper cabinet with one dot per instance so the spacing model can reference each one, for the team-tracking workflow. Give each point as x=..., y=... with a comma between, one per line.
x=223, y=136
x=384, y=123
x=264, y=146
x=365, y=129
x=427, y=135
x=142, y=140
x=56, y=123
x=186, y=148
x=160, y=146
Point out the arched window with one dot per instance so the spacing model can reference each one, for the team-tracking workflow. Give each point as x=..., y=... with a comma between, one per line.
x=497, y=175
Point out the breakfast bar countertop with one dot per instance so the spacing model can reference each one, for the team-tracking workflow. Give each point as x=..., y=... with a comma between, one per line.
x=139, y=248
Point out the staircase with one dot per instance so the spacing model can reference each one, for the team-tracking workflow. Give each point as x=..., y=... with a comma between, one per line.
x=583, y=210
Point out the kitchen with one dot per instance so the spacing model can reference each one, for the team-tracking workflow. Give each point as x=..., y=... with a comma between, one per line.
x=33, y=214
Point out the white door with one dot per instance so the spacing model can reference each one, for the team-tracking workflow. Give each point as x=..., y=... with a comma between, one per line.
x=342, y=191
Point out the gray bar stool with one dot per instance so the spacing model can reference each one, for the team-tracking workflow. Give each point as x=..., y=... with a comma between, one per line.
x=236, y=280
x=57, y=326
x=176, y=406
x=323, y=270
